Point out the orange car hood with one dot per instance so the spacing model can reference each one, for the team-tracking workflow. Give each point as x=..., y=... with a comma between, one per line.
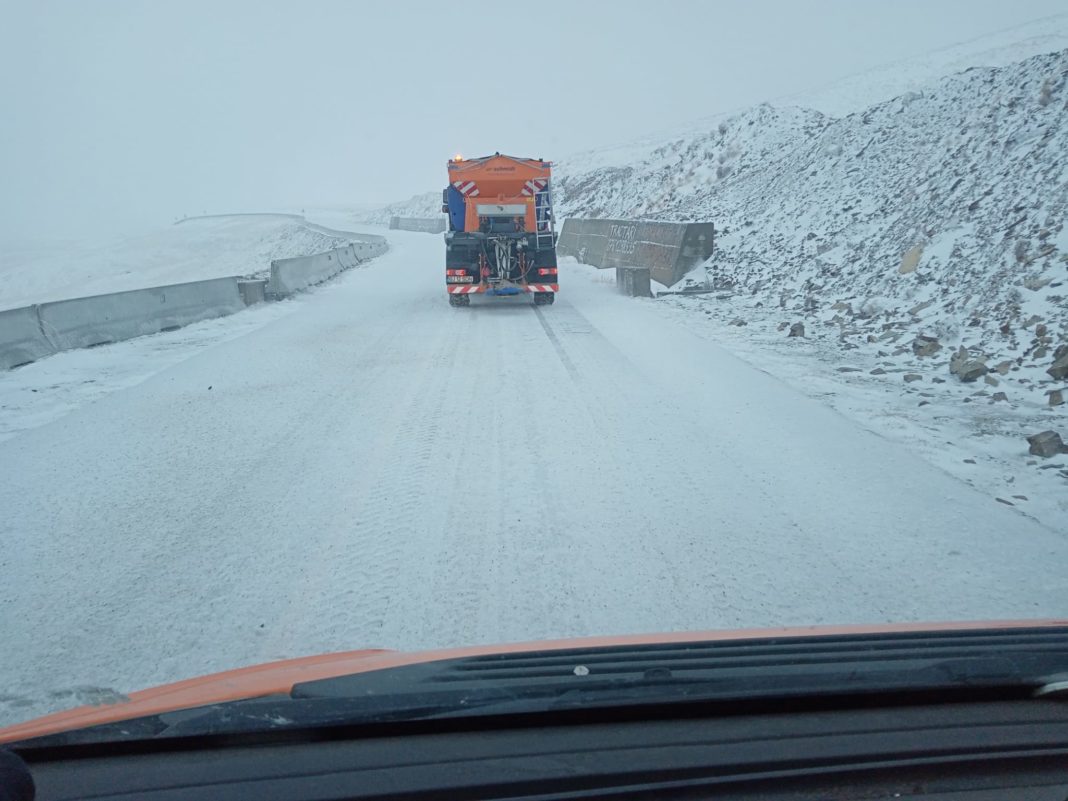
x=279, y=677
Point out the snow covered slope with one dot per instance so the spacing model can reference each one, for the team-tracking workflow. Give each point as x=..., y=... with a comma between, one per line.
x=940, y=213
x=193, y=250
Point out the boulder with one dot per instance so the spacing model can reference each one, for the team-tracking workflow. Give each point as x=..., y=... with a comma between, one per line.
x=1041, y=330
x=1003, y=367
x=999, y=396
x=911, y=260
x=738, y=321
x=964, y=367
x=925, y=346
x=1035, y=283
x=1056, y=397
x=1046, y=444
x=990, y=380
x=910, y=377
x=878, y=371
x=797, y=330
x=1059, y=368
x=970, y=371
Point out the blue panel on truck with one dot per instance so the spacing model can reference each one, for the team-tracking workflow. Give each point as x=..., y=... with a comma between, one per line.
x=456, y=209
x=504, y=290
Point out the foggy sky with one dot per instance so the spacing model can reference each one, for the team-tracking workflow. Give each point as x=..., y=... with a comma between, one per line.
x=117, y=116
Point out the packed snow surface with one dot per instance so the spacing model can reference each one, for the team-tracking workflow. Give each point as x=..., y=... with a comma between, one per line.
x=192, y=250
x=365, y=466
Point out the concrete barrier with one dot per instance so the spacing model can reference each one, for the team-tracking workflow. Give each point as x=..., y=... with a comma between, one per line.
x=29, y=333
x=292, y=275
x=21, y=339
x=100, y=319
x=428, y=225
x=253, y=290
x=634, y=281
x=668, y=250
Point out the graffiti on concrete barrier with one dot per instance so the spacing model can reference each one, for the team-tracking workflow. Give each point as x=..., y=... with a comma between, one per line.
x=668, y=250
x=622, y=239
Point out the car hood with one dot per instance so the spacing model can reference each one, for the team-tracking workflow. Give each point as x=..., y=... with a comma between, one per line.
x=279, y=677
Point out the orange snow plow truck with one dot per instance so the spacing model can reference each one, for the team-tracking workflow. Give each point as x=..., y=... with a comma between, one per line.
x=500, y=238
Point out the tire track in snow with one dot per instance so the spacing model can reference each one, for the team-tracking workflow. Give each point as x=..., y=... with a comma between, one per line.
x=504, y=542
x=384, y=527
x=604, y=375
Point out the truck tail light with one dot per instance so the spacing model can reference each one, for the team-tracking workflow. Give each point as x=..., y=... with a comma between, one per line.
x=456, y=272
x=546, y=271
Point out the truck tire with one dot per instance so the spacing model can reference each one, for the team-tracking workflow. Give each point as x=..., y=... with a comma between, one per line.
x=459, y=300
x=544, y=298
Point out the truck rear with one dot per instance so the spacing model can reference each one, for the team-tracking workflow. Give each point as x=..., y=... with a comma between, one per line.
x=501, y=237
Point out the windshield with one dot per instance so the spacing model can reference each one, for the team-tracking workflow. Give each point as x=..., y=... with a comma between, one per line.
x=331, y=327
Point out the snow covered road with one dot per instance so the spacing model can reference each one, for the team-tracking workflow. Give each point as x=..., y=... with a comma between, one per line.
x=379, y=469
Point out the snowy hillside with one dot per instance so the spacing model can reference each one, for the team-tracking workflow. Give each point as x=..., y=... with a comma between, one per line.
x=195, y=249
x=919, y=214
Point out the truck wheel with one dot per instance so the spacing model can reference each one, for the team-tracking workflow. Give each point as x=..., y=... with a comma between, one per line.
x=544, y=298
x=459, y=300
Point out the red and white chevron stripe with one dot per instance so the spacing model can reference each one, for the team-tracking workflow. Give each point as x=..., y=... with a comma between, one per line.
x=466, y=188
x=473, y=290
x=533, y=186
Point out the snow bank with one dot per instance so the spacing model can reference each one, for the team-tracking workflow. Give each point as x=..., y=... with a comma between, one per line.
x=196, y=249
